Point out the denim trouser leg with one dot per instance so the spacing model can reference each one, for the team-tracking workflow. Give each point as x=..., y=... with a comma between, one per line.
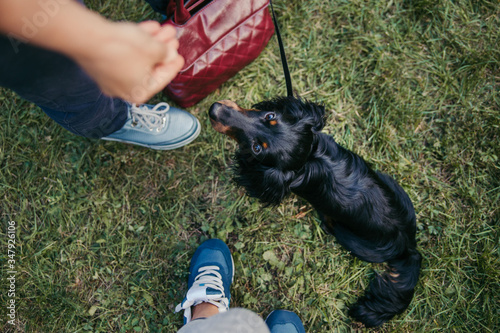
x=60, y=88
x=159, y=6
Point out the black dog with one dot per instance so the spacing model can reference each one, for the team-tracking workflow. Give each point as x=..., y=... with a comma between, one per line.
x=281, y=150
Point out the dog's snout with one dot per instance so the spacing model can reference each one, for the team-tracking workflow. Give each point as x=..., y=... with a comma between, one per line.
x=231, y=105
x=225, y=109
x=219, y=119
x=214, y=110
x=218, y=109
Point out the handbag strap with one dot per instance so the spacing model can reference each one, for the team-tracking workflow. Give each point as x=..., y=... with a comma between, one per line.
x=181, y=14
x=286, y=72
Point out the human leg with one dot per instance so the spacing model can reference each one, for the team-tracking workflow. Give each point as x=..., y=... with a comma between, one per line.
x=211, y=273
x=71, y=98
x=159, y=6
x=236, y=320
x=206, y=305
x=60, y=88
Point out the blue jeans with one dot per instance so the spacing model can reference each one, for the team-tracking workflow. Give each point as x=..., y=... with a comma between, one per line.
x=61, y=88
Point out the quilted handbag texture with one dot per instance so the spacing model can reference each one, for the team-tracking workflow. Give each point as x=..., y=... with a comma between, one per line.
x=217, y=39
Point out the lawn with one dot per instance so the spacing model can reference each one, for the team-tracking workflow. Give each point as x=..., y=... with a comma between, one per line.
x=105, y=231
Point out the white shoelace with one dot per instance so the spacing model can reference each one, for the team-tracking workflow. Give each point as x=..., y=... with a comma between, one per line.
x=151, y=119
x=208, y=277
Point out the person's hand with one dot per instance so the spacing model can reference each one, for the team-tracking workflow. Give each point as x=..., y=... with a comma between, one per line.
x=127, y=60
x=133, y=61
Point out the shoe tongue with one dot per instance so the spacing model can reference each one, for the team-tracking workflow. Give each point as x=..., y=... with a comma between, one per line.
x=213, y=292
x=203, y=292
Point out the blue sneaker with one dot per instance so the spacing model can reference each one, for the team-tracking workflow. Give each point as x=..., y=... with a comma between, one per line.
x=210, y=276
x=157, y=126
x=283, y=321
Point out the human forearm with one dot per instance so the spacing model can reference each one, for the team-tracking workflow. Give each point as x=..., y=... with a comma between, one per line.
x=60, y=25
x=127, y=60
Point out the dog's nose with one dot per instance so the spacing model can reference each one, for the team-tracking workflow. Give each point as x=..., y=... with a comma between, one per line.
x=214, y=110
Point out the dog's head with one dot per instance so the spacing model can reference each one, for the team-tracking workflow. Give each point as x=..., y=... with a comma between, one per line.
x=275, y=140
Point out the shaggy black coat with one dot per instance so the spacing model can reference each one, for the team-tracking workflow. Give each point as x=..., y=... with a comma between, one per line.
x=281, y=150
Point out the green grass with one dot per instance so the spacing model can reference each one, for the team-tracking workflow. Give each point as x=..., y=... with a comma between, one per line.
x=105, y=231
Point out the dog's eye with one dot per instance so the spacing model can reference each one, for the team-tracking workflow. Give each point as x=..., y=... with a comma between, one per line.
x=270, y=116
x=257, y=148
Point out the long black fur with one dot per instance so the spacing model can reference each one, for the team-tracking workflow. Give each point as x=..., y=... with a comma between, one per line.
x=367, y=211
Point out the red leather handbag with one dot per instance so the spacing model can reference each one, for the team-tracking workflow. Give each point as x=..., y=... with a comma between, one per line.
x=217, y=38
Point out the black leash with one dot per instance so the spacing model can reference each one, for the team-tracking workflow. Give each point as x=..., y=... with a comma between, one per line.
x=288, y=80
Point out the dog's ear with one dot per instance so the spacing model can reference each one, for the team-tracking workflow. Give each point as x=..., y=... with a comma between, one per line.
x=276, y=185
x=317, y=114
x=308, y=114
x=268, y=184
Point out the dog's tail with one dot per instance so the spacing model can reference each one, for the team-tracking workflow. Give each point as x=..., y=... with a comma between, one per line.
x=389, y=293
